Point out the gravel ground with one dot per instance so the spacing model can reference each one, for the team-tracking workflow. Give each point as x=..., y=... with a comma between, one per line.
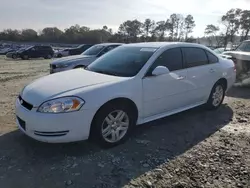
x=196, y=148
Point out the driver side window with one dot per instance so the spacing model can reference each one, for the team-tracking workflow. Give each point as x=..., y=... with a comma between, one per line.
x=172, y=59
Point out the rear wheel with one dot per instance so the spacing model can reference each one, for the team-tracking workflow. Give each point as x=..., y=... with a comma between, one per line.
x=112, y=125
x=48, y=56
x=217, y=96
x=25, y=57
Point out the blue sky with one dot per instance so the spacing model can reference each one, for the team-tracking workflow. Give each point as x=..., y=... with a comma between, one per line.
x=37, y=14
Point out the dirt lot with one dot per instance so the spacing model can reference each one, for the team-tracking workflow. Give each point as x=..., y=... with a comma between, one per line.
x=196, y=148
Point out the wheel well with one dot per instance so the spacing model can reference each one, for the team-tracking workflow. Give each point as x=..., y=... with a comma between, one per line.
x=124, y=101
x=223, y=81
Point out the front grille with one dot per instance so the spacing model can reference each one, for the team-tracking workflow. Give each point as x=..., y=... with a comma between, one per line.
x=25, y=104
x=51, y=134
x=21, y=123
x=53, y=66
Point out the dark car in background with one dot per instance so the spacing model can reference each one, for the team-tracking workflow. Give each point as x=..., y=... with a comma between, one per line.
x=46, y=52
x=80, y=49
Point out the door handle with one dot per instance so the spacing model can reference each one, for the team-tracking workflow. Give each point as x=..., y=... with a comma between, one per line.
x=212, y=71
x=180, y=77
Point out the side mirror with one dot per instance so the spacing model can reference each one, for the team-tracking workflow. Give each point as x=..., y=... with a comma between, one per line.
x=160, y=70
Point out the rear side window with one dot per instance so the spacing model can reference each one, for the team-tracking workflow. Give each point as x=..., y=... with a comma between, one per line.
x=172, y=59
x=195, y=57
x=211, y=57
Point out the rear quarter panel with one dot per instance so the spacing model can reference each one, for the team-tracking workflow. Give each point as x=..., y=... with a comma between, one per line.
x=228, y=71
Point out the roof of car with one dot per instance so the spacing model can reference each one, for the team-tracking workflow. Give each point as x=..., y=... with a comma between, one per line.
x=107, y=44
x=164, y=44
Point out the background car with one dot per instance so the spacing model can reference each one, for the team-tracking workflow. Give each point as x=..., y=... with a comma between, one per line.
x=46, y=52
x=83, y=60
x=4, y=51
x=80, y=49
x=240, y=56
x=62, y=53
x=131, y=85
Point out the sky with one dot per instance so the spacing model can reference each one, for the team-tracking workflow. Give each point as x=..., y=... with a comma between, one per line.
x=37, y=14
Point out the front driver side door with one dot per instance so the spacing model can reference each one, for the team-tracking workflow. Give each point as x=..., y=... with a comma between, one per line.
x=167, y=92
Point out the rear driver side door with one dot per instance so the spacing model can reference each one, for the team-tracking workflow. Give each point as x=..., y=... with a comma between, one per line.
x=203, y=70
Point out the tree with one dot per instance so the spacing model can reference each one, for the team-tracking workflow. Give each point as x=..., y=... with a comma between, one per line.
x=175, y=25
x=160, y=30
x=131, y=29
x=51, y=34
x=245, y=24
x=29, y=35
x=189, y=25
x=211, y=32
x=148, y=26
x=105, y=27
x=231, y=21
x=12, y=35
x=84, y=29
x=110, y=31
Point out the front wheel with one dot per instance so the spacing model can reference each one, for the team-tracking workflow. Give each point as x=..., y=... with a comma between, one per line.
x=217, y=96
x=14, y=56
x=112, y=125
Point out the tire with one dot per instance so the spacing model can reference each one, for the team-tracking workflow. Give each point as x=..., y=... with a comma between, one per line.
x=100, y=126
x=25, y=57
x=59, y=55
x=48, y=56
x=216, y=96
x=14, y=56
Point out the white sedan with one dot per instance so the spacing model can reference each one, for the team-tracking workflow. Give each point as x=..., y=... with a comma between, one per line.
x=131, y=85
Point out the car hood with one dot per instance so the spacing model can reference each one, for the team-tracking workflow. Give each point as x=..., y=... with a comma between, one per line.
x=53, y=85
x=72, y=59
x=238, y=55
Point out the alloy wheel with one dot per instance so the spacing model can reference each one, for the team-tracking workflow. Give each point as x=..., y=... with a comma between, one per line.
x=115, y=126
x=217, y=95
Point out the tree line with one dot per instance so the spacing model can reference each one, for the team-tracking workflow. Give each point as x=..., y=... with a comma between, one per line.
x=175, y=28
x=236, y=22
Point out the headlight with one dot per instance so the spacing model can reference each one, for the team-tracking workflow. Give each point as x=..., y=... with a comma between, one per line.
x=61, y=105
x=63, y=65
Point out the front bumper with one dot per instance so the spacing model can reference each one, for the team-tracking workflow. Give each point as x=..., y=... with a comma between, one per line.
x=9, y=55
x=55, y=70
x=54, y=128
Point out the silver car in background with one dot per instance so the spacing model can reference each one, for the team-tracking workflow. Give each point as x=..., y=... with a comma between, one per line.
x=83, y=60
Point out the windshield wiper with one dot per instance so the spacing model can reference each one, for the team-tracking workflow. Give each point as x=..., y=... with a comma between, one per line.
x=106, y=72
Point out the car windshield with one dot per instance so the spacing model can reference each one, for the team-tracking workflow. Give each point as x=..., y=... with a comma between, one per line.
x=124, y=61
x=94, y=50
x=244, y=46
x=23, y=49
